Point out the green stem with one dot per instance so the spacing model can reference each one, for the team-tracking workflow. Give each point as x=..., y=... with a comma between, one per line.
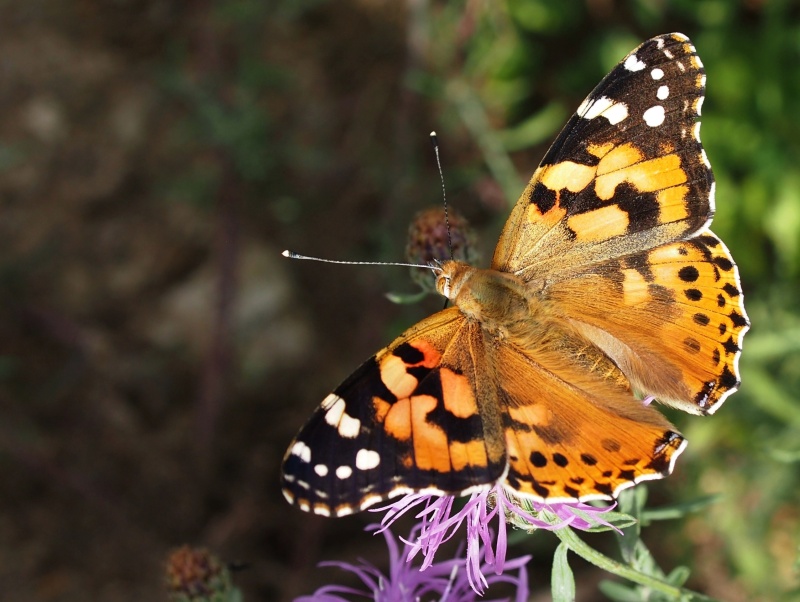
x=585, y=551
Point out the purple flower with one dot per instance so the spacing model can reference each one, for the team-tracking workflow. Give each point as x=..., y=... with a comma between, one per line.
x=447, y=581
x=439, y=523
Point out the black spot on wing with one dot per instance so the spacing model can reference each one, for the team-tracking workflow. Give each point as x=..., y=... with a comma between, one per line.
x=688, y=273
x=408, y=353
x=604, y=488
x=738, y=319
x=728, y=379
x=732, y=291
x=538, y=460
x=724, y=263
x=543, y=197
x=626, y=475
x=730, y=346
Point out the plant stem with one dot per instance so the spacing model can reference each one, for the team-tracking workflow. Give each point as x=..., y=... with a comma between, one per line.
x=588, y=553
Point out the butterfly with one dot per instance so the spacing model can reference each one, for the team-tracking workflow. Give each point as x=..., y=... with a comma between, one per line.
x=606, y=286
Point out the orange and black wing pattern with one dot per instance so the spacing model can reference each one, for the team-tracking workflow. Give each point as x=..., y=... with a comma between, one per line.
x=420, y=415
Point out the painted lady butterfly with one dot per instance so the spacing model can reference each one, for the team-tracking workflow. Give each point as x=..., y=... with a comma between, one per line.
x=606, y=283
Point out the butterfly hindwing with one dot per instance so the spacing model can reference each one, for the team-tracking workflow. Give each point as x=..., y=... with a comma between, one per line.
x=626, y=173
x=671, y=317
x=572, y=434
x=419, y=415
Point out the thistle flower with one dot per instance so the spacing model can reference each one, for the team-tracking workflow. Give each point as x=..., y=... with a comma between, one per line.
x=428, y=242
x=439, y=523
x=446, y=581
x=196, y=575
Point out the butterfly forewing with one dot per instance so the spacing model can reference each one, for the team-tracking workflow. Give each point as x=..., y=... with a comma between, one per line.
x=420, y=415
x=626, y=173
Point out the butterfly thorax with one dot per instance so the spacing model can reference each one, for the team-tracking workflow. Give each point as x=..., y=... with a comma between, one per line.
x=501, y=302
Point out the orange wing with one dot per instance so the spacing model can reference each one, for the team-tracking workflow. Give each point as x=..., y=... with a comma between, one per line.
x=572, y=434
x=627, y=173
x=671, y=318
x=421, y=415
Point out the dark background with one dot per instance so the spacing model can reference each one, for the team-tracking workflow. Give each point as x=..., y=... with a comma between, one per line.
x=156, y=352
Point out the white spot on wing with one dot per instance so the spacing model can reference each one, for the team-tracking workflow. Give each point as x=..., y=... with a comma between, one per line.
x=302, y=451
x=712, y=202
x=322, y=510
x=321, y=470
x=349, y=427
x=697, y=60
x=696, y=131
x=616, y=113
x=681, y=66
x=656, y=73
x=662, y=93
x=603, y=106
x=668, y=54
x=654, y=116
x=330, y=400
x=367, y=459
x=632, y=63
x=699, y=105
x=660, y=43
x=344, y=472
x=370, y=501
x=335, y=410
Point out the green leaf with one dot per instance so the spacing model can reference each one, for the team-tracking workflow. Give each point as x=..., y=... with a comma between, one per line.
x=680, y=510
x=620, y=520
x=679, y=575
x=619, y=592
x=406, y=298
x=563, y=581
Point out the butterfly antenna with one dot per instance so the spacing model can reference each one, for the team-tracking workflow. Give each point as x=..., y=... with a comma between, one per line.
x=435, y=142
x=293, y=255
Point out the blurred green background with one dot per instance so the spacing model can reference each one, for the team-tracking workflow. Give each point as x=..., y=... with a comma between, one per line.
x=156, y=352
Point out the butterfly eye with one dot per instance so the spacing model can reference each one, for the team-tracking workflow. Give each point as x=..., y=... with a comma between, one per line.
x=443, y=284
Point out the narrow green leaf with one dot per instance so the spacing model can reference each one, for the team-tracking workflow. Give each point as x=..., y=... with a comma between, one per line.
x=679, y=575
x=619, y=592
x=406, y=298
x=674, y=511
x=563, y=582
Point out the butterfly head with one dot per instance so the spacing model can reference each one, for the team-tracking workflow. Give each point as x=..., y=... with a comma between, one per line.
x=450, y=277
